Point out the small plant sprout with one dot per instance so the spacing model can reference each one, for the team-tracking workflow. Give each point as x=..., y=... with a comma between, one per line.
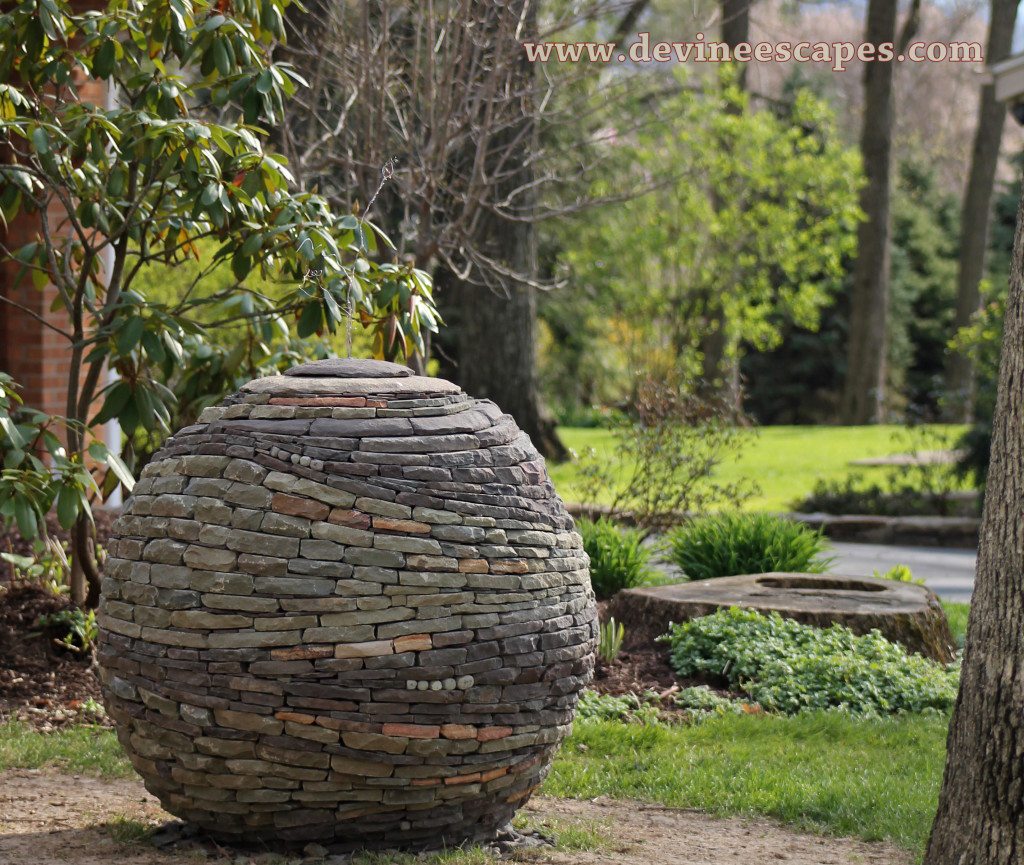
x=47, y=567
x=609, y=642
x=899, y=574
x=81, y=629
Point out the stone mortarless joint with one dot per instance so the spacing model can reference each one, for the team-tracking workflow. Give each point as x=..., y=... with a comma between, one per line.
x=346, y=605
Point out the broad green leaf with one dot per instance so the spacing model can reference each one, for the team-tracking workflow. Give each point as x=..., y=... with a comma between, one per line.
x=40, y=141
x=129, y=335
x=9, y=429
x=68, y=502
x=310, y=321
x=25, y=516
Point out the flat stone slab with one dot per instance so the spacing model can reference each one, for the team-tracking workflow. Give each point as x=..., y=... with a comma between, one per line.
x=285, y=385
x=903, y=612
x=349, y=367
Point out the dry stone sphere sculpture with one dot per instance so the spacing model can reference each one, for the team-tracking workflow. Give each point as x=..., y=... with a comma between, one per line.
x=345, y=605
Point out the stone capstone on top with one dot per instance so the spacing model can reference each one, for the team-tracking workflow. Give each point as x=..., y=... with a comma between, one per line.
x=351, y=367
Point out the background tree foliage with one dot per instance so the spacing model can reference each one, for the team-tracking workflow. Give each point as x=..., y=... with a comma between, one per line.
x=752, y=214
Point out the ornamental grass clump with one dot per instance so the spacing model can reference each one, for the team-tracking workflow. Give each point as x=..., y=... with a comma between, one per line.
x=789, y=667
x=618, y=558
x=725, y=545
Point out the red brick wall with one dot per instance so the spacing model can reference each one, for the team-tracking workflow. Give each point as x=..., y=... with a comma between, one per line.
x=37, y=357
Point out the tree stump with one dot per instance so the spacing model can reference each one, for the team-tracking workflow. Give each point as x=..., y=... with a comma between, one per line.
x=904, y=612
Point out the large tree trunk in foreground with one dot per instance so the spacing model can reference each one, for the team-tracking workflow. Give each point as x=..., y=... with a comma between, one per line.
x=980, y=820
x=864, y=393
x=976, y=214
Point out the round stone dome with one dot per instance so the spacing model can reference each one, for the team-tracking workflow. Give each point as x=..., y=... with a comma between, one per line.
x=346, y=605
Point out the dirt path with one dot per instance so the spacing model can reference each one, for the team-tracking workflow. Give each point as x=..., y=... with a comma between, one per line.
x=48, y=818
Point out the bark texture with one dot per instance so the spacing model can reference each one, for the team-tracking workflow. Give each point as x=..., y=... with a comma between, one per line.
x=720, y=364
x=980, y=819
x=493, y=337
x=977, y=210
x=491, y=341
x=864, y=392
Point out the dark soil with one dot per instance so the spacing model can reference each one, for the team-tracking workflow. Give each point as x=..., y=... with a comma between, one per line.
x=636, y=670
x=641, y=666
x=40, y=683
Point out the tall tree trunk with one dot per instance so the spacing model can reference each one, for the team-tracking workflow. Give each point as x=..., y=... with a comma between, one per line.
x=720, y=365
x=980, y=820
x=736, y=29
x=492, y=329
x=864, y=392
x=976, y=214
x=494, y=342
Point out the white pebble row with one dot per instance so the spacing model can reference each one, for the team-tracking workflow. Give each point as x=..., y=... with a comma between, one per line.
x=463, y=683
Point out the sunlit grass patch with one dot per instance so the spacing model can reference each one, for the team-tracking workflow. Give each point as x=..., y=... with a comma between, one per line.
x=87, y=749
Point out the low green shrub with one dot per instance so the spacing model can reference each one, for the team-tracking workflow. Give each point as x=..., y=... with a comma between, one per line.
x=618, y=558
x=724, y=545
x=789, y=667
x=856, y=494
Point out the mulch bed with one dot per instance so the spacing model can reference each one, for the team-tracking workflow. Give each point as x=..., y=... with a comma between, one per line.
x=636, y=670
x=40, y=683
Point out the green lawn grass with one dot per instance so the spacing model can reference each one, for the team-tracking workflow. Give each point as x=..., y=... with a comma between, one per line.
x=877, y=779
x=785, y=461
x=82, y=749
x=957, y=615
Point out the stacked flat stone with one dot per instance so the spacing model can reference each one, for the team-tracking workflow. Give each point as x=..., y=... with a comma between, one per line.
x=346, y=605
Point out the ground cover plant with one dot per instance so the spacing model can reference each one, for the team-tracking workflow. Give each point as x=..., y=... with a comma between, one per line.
x=727, y=544
x=790, y=667
x=787, y=461
x=690, y=704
